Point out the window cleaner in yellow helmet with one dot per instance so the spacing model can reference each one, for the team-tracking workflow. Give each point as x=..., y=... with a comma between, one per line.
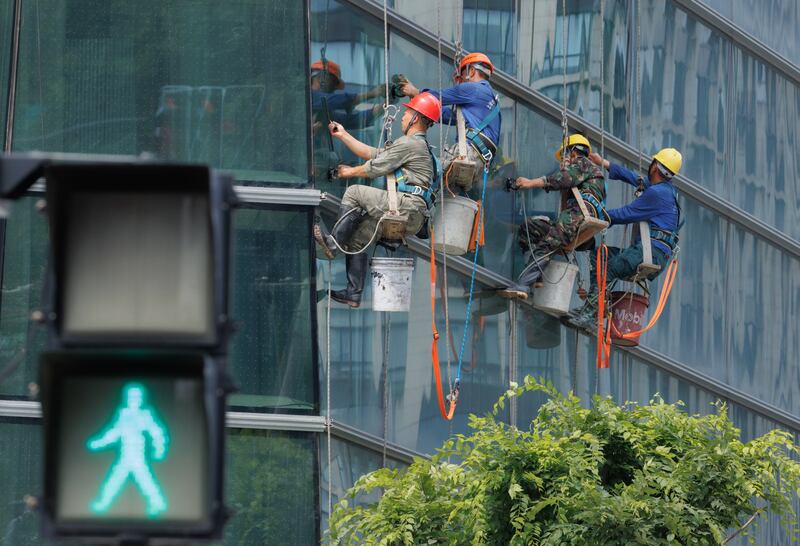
x=416, y=170
x=480, y=106
x=541, y=237
x=656, y=203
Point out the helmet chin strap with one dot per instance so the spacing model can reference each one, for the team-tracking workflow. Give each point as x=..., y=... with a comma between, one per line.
x=411, y=123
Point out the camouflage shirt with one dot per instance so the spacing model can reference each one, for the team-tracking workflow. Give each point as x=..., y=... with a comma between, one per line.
x=580, y=173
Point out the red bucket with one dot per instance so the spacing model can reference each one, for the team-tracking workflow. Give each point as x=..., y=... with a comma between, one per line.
x=629, y=314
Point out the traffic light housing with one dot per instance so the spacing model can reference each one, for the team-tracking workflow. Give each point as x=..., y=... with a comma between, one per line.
x=135, y=382
x=134, y=444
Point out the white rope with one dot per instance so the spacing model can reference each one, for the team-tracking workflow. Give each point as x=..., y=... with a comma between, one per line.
x=445, y=299
x=386, y=337
x=328, y=418
x=366, y=246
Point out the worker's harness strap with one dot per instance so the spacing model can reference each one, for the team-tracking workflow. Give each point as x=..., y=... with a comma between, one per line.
x=428, y=195
x=482, y=143
x=597, y=205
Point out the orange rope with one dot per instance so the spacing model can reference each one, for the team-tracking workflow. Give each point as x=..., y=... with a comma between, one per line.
x=447, y=414
x=662, y=302
x=477, y=230
x=603, y=328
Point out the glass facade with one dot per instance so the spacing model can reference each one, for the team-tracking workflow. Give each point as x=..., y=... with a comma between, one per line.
x=248, y=86
x=183, y=81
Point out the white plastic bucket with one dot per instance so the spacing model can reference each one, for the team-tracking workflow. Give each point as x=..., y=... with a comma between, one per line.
x=555, y=296
x=459, y=217
x=391, y=283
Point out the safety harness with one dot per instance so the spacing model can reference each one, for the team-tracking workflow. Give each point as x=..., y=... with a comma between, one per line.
x=428, y=195
x=476, y=137
x=668, y=237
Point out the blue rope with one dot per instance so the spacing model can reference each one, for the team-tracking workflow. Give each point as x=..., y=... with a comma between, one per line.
x=472, y=280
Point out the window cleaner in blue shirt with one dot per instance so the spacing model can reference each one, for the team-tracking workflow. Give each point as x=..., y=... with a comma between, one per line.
x=481, y=109
x=657, y=203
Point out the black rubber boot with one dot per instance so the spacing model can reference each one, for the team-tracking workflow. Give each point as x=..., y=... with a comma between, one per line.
x=532, y=273
x=343, y=230
x=356, y=265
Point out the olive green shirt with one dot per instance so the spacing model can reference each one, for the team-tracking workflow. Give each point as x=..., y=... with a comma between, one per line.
x=409, y=153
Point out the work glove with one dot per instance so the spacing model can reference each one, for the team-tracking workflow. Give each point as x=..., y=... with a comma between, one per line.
x=396, y=86
x=511, y=184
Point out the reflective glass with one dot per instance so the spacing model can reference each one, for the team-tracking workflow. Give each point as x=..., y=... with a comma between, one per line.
x=684, y=69
x=347, y=41
x=272, y=359
x=272, y=488
x=185, y=81
x=24, y=265
x=763, y=301
x=348, y=463
x=764, y=162
x=21, y=467
x=358, y=346
x=488, y=26
x=773, y=22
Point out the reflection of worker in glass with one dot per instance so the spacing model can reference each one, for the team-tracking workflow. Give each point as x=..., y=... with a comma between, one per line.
x=132, y=423
x=327, y=86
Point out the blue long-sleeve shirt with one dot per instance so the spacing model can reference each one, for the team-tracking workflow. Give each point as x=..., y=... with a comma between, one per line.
x=476, y=99
x=657, y=204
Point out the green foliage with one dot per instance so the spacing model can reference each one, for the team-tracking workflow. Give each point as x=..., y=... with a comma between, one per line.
x=605, y=475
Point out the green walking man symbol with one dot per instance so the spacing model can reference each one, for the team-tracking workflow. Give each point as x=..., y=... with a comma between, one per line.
x=132, y=423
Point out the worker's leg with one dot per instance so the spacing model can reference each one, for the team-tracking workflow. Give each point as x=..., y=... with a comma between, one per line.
x=585, y=317
x=375, y=202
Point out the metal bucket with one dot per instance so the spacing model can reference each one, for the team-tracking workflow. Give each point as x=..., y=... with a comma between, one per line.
x=629, y=314
x=555, y=296
x=391, y=283
x=542, y=331
x=459, y=217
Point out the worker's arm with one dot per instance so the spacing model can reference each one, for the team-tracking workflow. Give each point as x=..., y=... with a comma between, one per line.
x=388, y=160
x=644, y=207
x=457, y=95
x=617, y=172
x=345, y=171
x=523, y=183
x=361, y=150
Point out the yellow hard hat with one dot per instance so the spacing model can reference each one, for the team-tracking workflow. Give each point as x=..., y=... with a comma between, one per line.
x=573, y=140
x=670, y=158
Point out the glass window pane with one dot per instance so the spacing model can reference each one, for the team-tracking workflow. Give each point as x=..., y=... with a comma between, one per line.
x=24, y=265
x=272, y=358
x=357, y=349
x=352, y=44
x=198, y=81
x=272, y=488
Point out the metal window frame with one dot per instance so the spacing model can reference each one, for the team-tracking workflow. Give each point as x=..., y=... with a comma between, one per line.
x=518, y=91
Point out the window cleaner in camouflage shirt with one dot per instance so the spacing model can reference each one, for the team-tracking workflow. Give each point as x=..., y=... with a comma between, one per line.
x=364, y=206
x=656, y=203
x=542, y=237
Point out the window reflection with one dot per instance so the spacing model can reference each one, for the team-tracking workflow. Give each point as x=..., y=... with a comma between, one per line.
x=198, y=82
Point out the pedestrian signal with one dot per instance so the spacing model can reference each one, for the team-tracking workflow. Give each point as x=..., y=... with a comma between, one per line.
x=133, y=444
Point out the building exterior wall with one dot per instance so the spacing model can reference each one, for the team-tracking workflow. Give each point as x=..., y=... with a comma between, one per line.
x=227, y=83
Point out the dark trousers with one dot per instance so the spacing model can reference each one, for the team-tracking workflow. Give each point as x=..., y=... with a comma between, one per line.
x=623, y=263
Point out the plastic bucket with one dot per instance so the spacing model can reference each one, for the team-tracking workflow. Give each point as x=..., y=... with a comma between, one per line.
x=391, y=283
x=629, y=314
x=459, y=217
x=541, y=330
x=556, y=294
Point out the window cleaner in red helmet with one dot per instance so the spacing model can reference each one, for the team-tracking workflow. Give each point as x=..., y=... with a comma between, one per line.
x=480, y=106
x=410, y=160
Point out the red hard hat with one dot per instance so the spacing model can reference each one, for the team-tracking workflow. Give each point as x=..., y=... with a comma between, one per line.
x=427, y=105
x=331, y=68
x=473, y=58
